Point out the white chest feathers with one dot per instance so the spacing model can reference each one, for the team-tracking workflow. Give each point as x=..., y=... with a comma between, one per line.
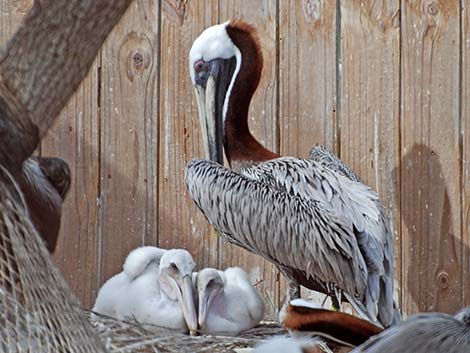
x=228, y=303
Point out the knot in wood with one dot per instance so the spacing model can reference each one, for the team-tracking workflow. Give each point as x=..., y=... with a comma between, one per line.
x=138, y=61
x=312, y=10
x=433, y=8
x=443, y=279
x=430, y=9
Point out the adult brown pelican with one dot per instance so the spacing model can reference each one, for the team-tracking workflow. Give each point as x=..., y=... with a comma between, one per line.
x=321, y=227
x=45, y=182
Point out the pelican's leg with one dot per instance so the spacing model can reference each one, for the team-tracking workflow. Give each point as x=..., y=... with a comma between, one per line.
x=294, y=286
x=335, y=295
x=324, y=300
x=335, y=304
x=293, y=292
x=336, y=298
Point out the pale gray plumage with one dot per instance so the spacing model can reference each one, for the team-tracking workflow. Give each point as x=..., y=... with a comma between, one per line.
x=221, y=310
x=424, y=333
x=322, y=155
x=323, y=230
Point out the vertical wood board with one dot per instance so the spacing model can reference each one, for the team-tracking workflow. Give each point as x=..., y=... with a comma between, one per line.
x=430, y=161
x=307, y=76
x=75, y=138
x=465, y=111
x=181, y=224
x=128, y=102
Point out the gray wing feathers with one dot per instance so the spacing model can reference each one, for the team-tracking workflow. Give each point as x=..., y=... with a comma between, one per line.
x=321, y=245
x=343, y=233
x=322, y=155
x=372, y=252
x=353, y=202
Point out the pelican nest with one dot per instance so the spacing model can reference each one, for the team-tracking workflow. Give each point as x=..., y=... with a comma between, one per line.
x=126, y=336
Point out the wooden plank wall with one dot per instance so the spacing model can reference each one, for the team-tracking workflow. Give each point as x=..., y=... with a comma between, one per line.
x=385, y=84
x=430, y=165
x=465, y=116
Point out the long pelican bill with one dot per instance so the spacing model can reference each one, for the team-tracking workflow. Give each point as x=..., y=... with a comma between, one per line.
x=211, y=125
x=212, y=79
x=184, y=291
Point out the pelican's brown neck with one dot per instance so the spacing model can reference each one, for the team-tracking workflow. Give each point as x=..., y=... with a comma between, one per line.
x=241, y=147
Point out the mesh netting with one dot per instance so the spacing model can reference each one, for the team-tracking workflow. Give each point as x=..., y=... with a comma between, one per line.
x=38, y=312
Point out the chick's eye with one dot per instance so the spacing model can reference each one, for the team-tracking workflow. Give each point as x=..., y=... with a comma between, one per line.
x=173, y=267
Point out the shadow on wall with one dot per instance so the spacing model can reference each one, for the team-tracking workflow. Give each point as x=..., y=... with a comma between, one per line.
x=431, y=252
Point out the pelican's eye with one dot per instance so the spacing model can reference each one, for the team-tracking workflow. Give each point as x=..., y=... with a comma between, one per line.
x=202, y=70
x=173, y=267
x=211, y=284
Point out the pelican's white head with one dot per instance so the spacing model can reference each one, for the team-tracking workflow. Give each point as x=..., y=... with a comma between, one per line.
x=210, y=284
x=213, y=43
x=176, y=268
x=214, y=63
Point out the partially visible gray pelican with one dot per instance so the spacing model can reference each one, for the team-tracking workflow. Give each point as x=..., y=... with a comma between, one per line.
x=424, y=333
x=322, y=228
x=44, y=182
x=228, y=303
x=155, y=287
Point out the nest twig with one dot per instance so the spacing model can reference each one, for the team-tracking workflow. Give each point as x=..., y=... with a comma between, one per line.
x=130, y=336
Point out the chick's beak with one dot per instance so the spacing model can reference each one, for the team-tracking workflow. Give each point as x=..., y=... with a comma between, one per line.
x=185, y=294
x=202, y=310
